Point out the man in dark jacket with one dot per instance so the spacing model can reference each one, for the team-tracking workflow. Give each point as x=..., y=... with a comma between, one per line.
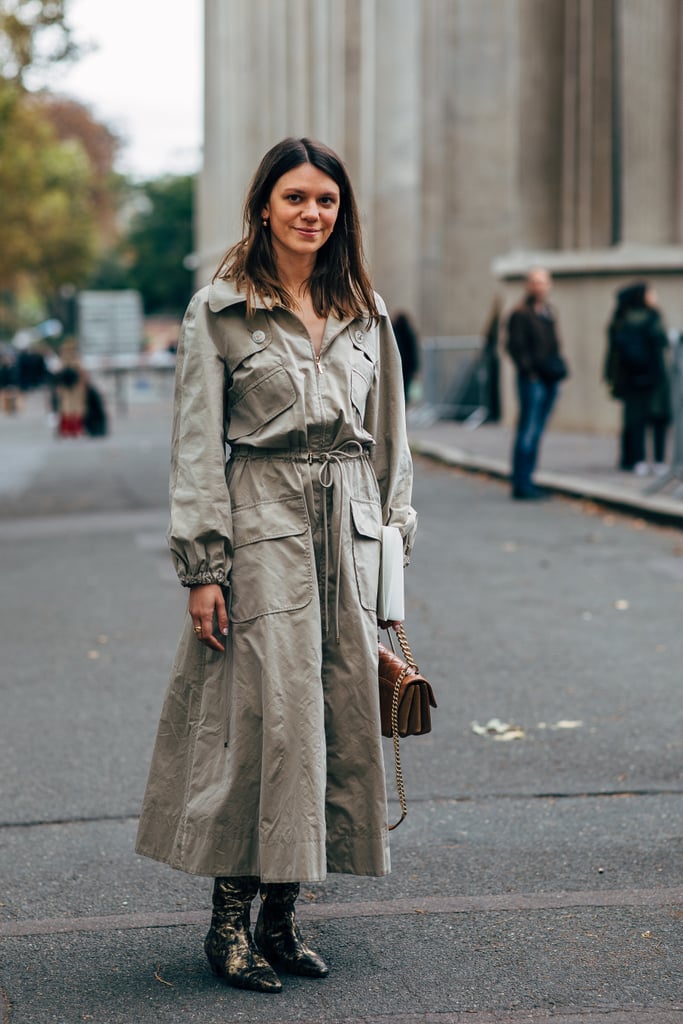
x=534, y=346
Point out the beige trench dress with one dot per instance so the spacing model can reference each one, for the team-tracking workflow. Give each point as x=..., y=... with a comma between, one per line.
x=268, y=758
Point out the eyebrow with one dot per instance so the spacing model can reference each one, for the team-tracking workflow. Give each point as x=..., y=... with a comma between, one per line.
x=303, y=190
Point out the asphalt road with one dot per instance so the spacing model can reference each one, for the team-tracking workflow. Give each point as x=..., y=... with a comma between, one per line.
x=536, y=877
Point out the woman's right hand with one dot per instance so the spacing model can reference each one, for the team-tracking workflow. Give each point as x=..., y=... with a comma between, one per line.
x=207, y=605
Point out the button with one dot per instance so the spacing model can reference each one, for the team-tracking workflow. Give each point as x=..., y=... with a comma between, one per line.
x=258, y=337
x=360, y=336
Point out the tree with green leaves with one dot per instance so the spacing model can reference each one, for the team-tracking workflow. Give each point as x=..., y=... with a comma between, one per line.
x=47, y=227
x=53, y=196
x=33, y=33
x=159, y=240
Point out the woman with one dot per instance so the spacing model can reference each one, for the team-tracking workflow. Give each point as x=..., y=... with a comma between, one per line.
x=636, y=373
x=268, y=768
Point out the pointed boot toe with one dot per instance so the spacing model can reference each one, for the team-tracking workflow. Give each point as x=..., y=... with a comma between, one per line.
x=239, y=965
x=280, y=941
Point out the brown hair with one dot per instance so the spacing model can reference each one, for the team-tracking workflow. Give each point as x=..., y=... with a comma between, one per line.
x=339, y=282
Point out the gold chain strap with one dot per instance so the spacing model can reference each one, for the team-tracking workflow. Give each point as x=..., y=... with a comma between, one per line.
x=405, y=647
x=400, y=785
x=408, y=655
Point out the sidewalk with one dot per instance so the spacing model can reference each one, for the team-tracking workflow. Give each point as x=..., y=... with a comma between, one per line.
x=581, y=465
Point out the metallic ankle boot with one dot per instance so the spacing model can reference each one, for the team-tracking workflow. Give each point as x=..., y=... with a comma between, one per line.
x=229, y=946
x=277, y=934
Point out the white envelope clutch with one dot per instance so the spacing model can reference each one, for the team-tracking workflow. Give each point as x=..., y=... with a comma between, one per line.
x=390, y=599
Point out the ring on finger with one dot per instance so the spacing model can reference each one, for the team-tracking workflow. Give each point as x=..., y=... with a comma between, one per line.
x=197, y=630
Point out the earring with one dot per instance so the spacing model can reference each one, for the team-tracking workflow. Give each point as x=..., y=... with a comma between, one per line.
x=264, y=222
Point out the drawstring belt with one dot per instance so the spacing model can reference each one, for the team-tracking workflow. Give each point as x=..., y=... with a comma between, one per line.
x=330, y=470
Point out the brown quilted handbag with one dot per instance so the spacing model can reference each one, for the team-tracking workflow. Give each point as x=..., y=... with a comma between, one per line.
x=405, y=700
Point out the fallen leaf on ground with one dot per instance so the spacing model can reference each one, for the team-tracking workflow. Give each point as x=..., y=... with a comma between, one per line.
x=498, y=730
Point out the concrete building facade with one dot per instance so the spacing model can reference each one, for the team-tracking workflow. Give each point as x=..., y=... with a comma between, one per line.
x=483, y=137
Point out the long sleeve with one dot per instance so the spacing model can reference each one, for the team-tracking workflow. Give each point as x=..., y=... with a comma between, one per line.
x=200, y=530
x=518, y=345
x=385, y=420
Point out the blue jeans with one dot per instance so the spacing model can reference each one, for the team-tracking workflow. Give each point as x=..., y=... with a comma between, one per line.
x=536, y=400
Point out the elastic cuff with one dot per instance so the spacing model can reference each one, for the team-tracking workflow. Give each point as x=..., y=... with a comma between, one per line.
x=203, y=578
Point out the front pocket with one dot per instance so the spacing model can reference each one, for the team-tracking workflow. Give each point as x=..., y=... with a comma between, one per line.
x=271, y=566
x=259, y=400
x=366, y=517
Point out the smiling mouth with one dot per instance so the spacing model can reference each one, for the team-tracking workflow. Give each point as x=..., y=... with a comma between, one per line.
x=308, y=231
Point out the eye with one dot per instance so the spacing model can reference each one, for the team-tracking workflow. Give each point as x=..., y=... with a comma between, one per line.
x=328, y=200
x=293, y=197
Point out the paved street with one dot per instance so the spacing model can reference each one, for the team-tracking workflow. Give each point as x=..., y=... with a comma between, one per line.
x=538, y=875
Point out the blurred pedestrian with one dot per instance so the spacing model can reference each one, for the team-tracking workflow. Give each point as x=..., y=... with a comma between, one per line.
x=268, y=770
x=9, y=387
x=409, y=349
x=534, y=346
x=637, y=375
x=70, y=389
x=31, y=370
x=95, y=420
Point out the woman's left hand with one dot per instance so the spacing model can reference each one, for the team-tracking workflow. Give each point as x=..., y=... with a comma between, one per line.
x=390, y=624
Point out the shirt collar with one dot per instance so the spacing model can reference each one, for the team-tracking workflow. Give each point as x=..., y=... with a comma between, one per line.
x=223, y=294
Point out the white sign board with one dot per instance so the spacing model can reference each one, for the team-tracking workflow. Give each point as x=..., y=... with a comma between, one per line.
x=109, y=323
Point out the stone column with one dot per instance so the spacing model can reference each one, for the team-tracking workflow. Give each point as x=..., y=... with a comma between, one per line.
x=650, y=55
x=276, y=109
x=353, y=101
x=433, y=224
x=337, y=87
x=367, y=137
x=296, y=40
x=479, y=198
x=222, y=181
x=587, y=137
x=539, y=120
x=396, y=151
x=679, y=124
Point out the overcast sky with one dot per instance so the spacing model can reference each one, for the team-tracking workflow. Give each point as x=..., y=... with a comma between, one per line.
x=144, y=79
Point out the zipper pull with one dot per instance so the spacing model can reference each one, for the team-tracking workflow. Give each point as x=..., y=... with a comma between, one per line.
x=318, y=365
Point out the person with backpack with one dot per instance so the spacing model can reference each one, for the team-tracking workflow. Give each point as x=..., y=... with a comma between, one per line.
x=637, y=375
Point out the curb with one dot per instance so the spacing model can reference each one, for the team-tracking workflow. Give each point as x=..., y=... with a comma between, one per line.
x=660, y=509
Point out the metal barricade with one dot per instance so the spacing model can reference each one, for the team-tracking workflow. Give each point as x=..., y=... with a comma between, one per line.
x=455, y=381
x=675, y=473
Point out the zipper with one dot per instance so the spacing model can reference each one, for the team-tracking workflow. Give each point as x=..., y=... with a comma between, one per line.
x=318, y=365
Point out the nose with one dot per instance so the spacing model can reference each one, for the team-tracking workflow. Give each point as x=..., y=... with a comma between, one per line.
x=310, y=210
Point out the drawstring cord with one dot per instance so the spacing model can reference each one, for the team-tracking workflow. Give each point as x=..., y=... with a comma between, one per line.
x=329, y=462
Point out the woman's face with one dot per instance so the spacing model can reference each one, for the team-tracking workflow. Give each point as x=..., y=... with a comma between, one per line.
x=302, y=211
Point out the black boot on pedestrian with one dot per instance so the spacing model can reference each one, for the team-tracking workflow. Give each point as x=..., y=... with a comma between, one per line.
x=531, y=493
x=229, y=946
x=277, y=933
